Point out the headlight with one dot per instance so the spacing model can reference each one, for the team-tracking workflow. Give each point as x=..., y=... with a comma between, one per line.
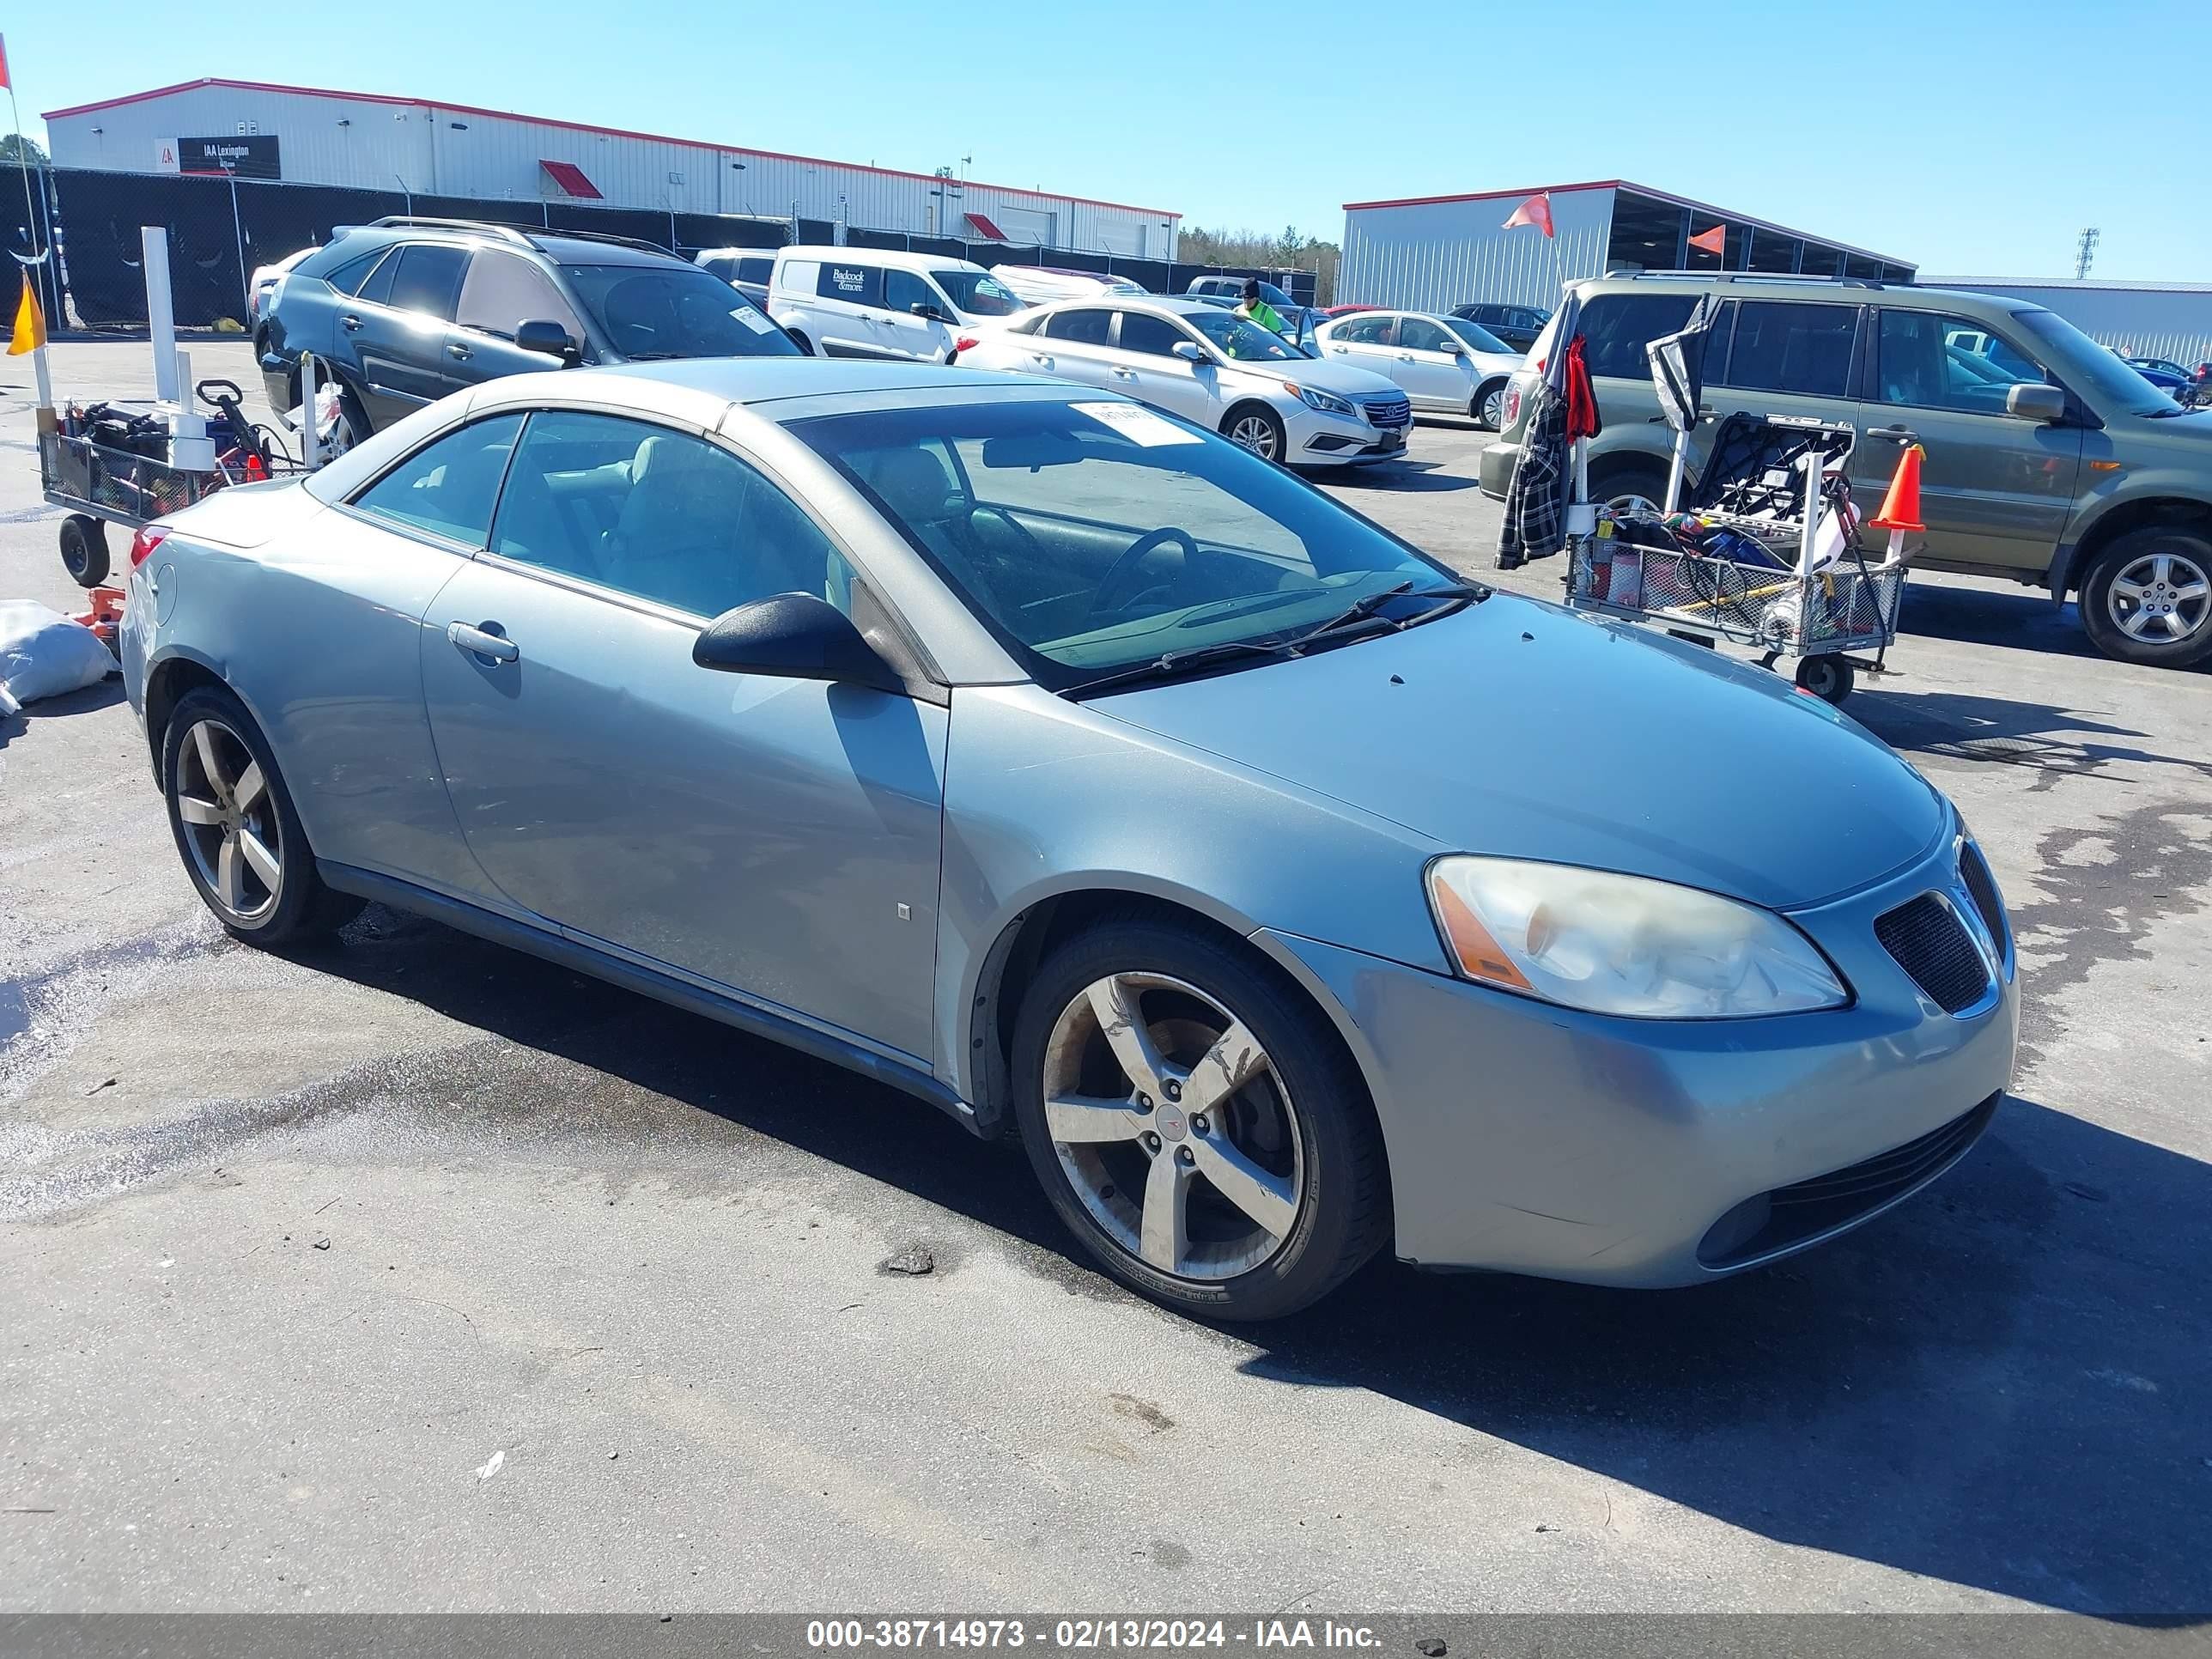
x=1621, y=944
x=1326, y=402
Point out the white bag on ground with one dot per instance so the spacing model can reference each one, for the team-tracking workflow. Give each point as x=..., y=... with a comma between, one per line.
x=42, y=654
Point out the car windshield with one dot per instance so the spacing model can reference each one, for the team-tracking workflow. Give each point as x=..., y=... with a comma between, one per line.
x=2085, y=365
x=1092, y=536
x=1242, y=342
x=652, y=312
x=977, y=293
x=1478, y=338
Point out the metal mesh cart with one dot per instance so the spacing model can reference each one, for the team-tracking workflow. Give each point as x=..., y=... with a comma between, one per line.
x=1762, y=487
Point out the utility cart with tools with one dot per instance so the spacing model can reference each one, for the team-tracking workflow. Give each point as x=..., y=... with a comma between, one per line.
x=129, y=464
x=1764, y=554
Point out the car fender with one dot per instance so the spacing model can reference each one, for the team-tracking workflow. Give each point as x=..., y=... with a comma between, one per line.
x=2120, y=491
x=1047, y=798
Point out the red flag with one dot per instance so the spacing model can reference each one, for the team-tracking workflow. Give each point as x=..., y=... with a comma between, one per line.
x=1537, y=210
x=6, y=85
x=1713, y=241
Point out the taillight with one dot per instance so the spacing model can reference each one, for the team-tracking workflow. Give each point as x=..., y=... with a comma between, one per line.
x=149, y=537
x=966, y=343
x=1512, y=406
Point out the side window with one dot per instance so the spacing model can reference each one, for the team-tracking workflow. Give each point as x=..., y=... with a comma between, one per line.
x=1927, y=360
x=800, y=275
x=1616, y=328
x=903, y=290
x=1716, y=344
x=1154, y=335
x=348, y=277
x=501, y=292
x=1366, y=329
x=429, y=276
x=447, y=486
x=1782, y=346
x=376, y=286
x=755, y=271
x=658, y=514
x=1086, y=327
x=862, y=285
x=1420, y=334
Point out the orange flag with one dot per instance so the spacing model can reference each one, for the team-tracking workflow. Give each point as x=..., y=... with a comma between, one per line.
x=1713, y=241
x=1537, y=210
x=30, y=324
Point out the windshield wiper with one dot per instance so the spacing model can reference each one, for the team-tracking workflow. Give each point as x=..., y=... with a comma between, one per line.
x=1365, y=610
x=1169, y=664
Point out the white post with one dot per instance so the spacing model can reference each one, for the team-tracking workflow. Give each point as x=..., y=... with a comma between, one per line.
x=1675, y=466
x=1806, y=537
x=311, y=435
x=161, y=313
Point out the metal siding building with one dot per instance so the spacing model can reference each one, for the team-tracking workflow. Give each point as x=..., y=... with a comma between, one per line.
x=372, y=142
x=2143, y=319
x=1432, y=252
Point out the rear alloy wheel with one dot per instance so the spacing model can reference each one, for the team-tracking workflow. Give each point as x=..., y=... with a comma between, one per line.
x=2147, y=597
x=236, y=828
x=1488, y=409
x=1631, y=491
x=1258, y=429
x=1190, y=1128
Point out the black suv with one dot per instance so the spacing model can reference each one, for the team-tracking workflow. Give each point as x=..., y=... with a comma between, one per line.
x=407, y=310
x=1518, y=325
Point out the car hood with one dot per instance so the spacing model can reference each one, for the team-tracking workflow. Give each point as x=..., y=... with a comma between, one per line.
x=1524, y=731
x=1340, y=377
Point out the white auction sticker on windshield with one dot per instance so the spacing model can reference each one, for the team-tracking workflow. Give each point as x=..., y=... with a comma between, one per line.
x=753, y=320
x=1139, y=426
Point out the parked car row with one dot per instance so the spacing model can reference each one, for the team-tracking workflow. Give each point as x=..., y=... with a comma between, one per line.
x=2048, y=460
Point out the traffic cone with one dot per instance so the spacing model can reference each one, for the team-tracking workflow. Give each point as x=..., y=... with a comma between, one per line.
x=1900, y=507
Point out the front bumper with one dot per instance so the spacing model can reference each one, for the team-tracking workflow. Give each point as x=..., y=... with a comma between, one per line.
x=1319, y=439
x=1532, y=1139
x=1497, y=468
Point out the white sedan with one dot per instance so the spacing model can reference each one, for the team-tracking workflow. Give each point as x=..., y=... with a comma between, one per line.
x=1445, y=364
x=1211, y=368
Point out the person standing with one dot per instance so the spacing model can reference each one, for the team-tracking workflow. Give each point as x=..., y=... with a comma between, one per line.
x=1257, y=310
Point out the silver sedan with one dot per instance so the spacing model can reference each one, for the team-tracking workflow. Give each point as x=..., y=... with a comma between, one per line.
x=1095, y=781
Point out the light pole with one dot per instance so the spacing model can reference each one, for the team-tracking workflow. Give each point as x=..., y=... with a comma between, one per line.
x=238, y=232
x=406, y=196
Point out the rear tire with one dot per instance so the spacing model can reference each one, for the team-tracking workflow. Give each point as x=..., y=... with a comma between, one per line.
x=1629, y=486
x=1301, y=1198
x=1487, y=409
x=2144, y=585
x=236, y=829
x=84, y=550
x=1257, y=428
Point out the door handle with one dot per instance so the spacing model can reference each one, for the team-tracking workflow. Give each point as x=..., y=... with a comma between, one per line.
x=1405, y=357
x=1125, y=374
x=350, y=321
x=483, y=642
x=1339, y=350
x=1039, y=357
x=1895, y=434
x=457, y=350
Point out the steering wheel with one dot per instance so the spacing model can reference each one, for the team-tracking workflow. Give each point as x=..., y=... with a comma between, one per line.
x=1139, y=551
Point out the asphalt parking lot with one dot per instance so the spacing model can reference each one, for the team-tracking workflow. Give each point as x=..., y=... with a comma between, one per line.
x=412, y=1273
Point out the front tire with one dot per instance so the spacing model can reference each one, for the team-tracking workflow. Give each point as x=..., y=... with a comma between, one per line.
x=1257, y=428
x=1192, y=1126
x=2148, y=597
x=236, y=828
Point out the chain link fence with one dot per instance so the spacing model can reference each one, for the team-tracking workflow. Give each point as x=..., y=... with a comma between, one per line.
x=219, y=229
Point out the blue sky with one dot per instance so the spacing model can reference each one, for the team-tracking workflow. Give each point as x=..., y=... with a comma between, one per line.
x=1970, y=138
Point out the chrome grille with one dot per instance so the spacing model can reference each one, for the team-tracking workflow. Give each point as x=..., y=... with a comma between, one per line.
x=1387, y=412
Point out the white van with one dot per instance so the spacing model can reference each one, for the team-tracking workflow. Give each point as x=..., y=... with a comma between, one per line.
x=877, y=302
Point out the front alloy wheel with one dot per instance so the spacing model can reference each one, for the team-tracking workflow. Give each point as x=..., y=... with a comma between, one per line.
x=1196, y=1122
x=1257, y=430
x=2146, y=596
x=2159, y=597
x=1171, y=1127
x=231, y=830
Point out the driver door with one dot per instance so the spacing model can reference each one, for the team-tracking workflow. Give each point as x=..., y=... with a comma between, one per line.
x=777, y=837
x=906, y=335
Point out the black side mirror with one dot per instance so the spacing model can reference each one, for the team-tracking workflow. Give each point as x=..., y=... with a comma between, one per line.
x=2043, y=404
x=794, y=636
x=549, y=339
